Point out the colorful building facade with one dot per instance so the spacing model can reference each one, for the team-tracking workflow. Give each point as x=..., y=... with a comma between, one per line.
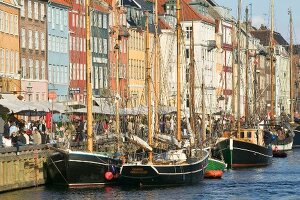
x=33, y=36
x=77, y=50
x=9, y=47
x=58, y=51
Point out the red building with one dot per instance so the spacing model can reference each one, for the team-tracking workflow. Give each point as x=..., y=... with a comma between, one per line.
x=77, y=47
x=122, y=48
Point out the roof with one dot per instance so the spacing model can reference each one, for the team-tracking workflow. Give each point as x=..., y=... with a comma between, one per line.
x=163, y=24
x=67, y=3
x=99, y=7
x=187, y=12
x=142, y=4
x=263, y=34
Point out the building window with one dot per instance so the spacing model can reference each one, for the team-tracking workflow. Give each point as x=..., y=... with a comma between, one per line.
x=30, y=69
x=53, y=18
x=42, y=11
x=23, y=65
x=77, y=72
x=57, y=44
x=70, y=43
x=6, y=23
x=11, y=24
x=37, y=69
x=12, y=61
x=61, y=20
x=105, y=46
x=17, y=62
x=22, y=8
x=65, y=18
x=81, y=44
x=36, y=10
x=30, y=39
x=100, y=20
x=50, y=79
x=73, y=19
x=49, y=14
x=43, y=70
x=37, y=97
x=188, y=32
x=1, y=20
x=23, y=38
x=84, y=69
x=95, y=45
x=16, y=25
x=84, y=45
x=43, y=41
x=36, y=40
x=29, y=9
x=74, y=43
x=76, y=21
x=104, y=21
x=57, y=16
x=2, y=60
x=95, y=19
x=7, y=60
x=100, y=45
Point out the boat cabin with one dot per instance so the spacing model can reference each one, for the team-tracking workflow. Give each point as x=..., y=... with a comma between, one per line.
x=249, y=135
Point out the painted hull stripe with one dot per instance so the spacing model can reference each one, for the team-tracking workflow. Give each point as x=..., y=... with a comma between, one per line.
x=192, y=172
x=253, y=152
x=91, y=162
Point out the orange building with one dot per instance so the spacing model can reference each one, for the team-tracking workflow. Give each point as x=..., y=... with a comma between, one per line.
x=9, y=47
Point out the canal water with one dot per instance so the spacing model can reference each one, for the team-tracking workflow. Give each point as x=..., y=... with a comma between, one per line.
x=280, y=180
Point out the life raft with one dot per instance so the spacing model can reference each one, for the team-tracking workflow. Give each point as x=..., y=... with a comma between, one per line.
x=213, y=174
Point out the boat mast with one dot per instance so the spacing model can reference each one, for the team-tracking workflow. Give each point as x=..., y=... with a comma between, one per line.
x=233, y=106
x=271, y=51
x=147, y=57
x=117, y=52
x=239, y=67
x=178, y=32
x=192, y=81
x=203, y=128
x=88, y=78
x=291, y=68
x=156, y=60
x=247, y=68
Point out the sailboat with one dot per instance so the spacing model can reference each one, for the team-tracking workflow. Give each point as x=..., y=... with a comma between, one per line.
x=83, y=168
x=176, y=166
x=244, y=147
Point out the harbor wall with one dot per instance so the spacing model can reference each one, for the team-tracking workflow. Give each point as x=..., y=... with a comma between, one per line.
x=23, y=168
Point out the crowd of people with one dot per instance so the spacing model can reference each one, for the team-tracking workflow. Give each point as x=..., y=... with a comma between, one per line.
x=20, y=133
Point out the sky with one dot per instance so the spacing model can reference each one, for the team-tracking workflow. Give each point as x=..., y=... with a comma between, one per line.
x=260, y=14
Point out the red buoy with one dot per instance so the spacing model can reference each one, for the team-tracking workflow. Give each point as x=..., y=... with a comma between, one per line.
x=108, y=176
x=213, y=174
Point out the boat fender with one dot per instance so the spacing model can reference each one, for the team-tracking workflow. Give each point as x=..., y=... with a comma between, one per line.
x=276, y=149
x=108, y=176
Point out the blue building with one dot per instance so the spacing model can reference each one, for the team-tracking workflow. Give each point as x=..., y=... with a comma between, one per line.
x=58, y=51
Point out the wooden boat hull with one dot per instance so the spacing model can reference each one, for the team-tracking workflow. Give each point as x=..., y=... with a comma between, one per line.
x=283, y=145
x=243, y=154
x=163, y=175
x=80, y=169
x=214, y=168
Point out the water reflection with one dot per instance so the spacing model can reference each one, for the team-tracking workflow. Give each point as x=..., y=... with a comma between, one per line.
x=280, y=180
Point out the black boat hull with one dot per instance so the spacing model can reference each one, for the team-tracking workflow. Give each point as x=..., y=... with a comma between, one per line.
x=163, y=175
x=81, y=169
x=296, y=143
x=243, y=154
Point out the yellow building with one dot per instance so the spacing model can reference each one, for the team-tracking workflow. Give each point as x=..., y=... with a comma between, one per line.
x=9, y=46
x=137, y=68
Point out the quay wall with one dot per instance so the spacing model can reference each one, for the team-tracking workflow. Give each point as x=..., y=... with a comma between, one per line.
x=23, y=168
